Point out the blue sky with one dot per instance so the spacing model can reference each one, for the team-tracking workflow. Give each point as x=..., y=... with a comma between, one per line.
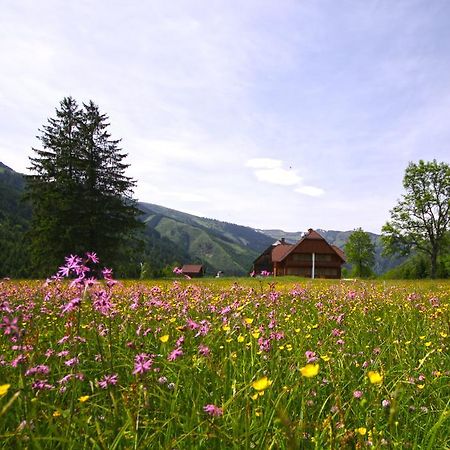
x=272, y=114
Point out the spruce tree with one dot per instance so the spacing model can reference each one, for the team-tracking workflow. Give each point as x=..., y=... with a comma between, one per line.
x=82, y=199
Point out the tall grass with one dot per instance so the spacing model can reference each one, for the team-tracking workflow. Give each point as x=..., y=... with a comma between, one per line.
x=206, y=343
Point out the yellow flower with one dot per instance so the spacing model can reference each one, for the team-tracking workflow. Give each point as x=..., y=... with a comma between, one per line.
x=240, y=338
x=428, y=344
x=261, y=384
x=375, y=377
x=420, y=386
x=164, y=338
x=4, y=389
x=325, y=358
x=248, y=320
x=310, y=370
x=256, y=334
x=56, y=414
x=361, y=430
x=226, y=328
x=84, y=398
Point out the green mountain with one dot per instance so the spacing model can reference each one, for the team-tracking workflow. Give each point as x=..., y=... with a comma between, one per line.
x=218, y=245
x=170, y=237
x=339, y=239
x=15, y=216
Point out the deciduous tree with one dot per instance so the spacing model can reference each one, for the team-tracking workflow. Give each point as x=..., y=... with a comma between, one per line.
x=360, y=251
x=420, y=220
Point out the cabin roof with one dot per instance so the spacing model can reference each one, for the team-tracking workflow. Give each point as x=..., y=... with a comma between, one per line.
x=192, y=268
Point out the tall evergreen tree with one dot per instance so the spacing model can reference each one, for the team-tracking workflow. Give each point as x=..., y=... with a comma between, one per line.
x=82, y=200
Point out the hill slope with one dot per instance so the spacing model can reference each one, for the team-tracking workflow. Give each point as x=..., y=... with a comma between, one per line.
x=170, y=237
x=219, y=245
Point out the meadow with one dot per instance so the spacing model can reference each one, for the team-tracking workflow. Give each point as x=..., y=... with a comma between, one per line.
x=247, y=364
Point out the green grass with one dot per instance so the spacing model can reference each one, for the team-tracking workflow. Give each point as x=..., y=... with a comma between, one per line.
x=398, y=329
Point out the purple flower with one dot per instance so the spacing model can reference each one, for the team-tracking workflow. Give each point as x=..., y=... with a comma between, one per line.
x=213, y=410
x=69, y=307
x=175, y=354
x=92, y=256
x=108, y=380
x=311, y=356
x=38, y=369
x=142, y=363
x=204, y=350
x=40, y=385
x=357, y=394
x=72, y=362
x=10, y=326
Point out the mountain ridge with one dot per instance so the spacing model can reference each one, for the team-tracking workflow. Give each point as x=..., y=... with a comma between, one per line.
x=173, y=236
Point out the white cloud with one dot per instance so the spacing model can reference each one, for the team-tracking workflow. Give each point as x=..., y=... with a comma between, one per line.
x=264, y=163
x=279, y=176
x=271, y=171
x=310, y=190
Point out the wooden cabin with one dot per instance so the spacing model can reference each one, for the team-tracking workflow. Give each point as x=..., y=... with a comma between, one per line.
x=311, y=257
x=193, y=270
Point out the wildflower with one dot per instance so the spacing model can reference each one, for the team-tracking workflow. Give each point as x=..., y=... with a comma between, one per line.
x=84, y=398
x=162, y=380
x=70, y=306
x=142, y=363
x=164, y=338
x=10, y=326
x=4, y=389
x=204, y=350
x=311, y=356
x=38, y=369
x=375, y=377
x=40, y=385
x=357, y=394
x=361, y=430
x=72, y=362
x=108, y=380
x=261, y=384
x=213, y=410
x=19, y=360
x=385, y=403
x=92, y=256
x=176, y=353
x=310, y=370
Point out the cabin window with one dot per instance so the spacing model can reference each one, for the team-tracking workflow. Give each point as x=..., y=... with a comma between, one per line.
x=323, y=257
x=297, y=257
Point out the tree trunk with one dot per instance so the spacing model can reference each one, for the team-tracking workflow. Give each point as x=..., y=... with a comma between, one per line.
x=434, y=255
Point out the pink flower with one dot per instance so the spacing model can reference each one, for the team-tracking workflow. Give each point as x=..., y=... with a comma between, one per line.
x=108, y=380
x=72, y=362
x=213, y=410
x=357, y=394
x=204, y=350
x=38, y=369
x=92, y=256
x=10, y=326
x=142, y=363
x=175, y=354
x=311, y=356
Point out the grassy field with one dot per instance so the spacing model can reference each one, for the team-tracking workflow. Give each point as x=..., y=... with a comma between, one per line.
x=258, y=364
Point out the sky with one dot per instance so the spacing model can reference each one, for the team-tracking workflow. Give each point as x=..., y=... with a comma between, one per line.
x=275, y=114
